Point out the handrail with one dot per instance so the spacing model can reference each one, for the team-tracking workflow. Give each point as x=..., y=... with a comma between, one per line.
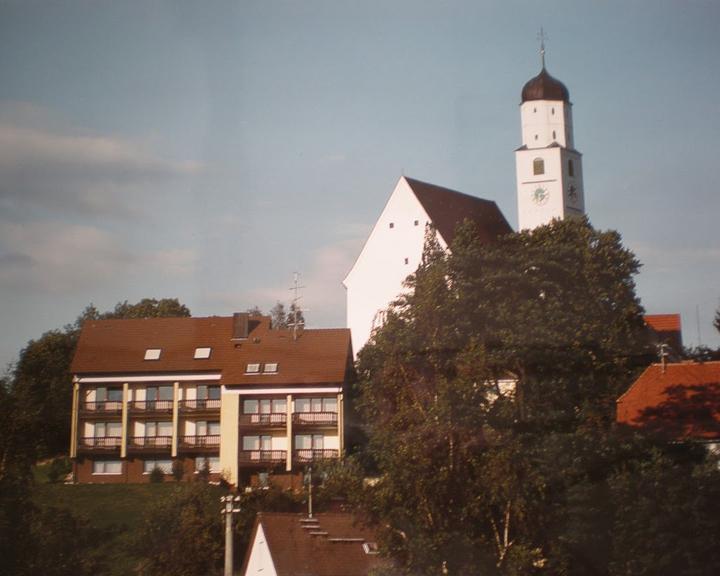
x=262, y=455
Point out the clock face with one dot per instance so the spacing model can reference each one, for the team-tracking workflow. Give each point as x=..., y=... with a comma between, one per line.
x=540, y=195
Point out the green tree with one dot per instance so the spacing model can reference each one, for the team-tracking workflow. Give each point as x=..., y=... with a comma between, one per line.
x=283, y=319
x=478, y=476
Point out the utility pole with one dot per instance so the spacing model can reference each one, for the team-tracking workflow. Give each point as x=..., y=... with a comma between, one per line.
x=230, y=507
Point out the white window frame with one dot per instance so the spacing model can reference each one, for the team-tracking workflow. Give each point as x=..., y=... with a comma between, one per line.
x=202, y=353
x=104, y=463
x=252, y=368
x=153, y=353
x=164, y=465
x=270, y=368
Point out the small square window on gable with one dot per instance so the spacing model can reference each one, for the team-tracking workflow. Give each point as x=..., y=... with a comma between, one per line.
x=252, y=369
x=201, y=353
x=152, y=354
x=417, y=222
x=270, y=368
x=392, y=224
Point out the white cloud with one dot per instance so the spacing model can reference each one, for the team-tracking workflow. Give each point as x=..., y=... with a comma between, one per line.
x=51, y=166
x=60, y=258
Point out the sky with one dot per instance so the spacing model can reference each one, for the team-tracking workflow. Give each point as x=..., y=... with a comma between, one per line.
x=206, y=151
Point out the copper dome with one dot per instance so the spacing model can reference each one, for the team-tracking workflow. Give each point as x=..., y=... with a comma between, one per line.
x=545, y=87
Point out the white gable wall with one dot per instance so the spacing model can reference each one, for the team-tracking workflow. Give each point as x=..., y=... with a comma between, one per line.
x=260, y=562
x=377, y=277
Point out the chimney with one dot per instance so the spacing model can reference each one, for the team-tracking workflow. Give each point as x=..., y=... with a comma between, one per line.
x=241, y=326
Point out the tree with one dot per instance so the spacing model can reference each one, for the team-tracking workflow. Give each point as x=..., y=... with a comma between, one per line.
x=282, y=319
x=40, y=382
x=477, y=476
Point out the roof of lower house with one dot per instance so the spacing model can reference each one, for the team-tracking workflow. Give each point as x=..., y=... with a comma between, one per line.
x=448, y=208
x=681, y=400
x=328, y=544
x=114, y=347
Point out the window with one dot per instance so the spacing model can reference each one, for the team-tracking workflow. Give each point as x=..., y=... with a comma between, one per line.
x=417, y=222
x=554, y=136
x=270, y=368
x=252, y=369
x=159, y=393
x=329, y=404
x=552, y=111
x=152, y=354
x=316, y=404
x=108, y=395
x=158, y=429
x=107, y=467
x=204, y=428
x=536, y=136
x=164, y=465
x=309, y=442
x=257, y=442
x=571, y=168
x=279, y=406
x=201, y=353
x=250, y=407
x=212, y=462
x=392, y=224
x=407, y=260
x=108, y=429
x=538, y=166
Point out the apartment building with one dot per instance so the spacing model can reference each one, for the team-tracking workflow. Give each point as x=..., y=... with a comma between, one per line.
x=225, y=395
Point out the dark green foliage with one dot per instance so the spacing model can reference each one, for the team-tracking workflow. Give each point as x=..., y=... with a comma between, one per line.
x=178, y=470
x=156, y=475
x=282, y=319
x=182, y=534
x=59, y=468
x=480, y=478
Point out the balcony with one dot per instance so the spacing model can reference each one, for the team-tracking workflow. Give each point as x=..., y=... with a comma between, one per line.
x=209, y=443
x=150, y=443
x=137, y=407
x=200, y=405
x=103, y=407
x=314, y=454
x=274, y=419
x=262, y=456
x=100, y=444
x=315, y=418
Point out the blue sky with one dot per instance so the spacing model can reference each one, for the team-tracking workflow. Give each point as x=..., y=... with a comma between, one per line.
x=206, y=151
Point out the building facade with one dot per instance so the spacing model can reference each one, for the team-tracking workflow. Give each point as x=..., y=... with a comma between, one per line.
x=228, y=396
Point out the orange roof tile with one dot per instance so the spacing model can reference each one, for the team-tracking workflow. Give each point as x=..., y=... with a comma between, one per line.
x=663, y=322
x=118, y=347
x=683, y=400
x=335, y=549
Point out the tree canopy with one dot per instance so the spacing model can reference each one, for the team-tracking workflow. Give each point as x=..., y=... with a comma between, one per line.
x=489, y=398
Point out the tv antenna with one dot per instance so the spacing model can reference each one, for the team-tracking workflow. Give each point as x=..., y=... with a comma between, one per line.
x=297, y=320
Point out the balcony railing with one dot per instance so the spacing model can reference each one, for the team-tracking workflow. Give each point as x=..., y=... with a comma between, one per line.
x=151, y=406
x=272, y=419
x=262, y=456
x=103, y=406
x=314, y=454
x=150, y=442
x=200, y=404
x=210, y=441
x=315, y=418
x=104, y=442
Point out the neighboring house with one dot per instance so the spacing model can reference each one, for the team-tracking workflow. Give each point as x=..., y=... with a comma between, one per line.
x=394, y=248
x=681, y=401
x=224, y=392
x=666, y=329
x=328, y=544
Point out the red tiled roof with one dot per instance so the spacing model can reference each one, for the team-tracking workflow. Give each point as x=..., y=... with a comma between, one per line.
x=297, y=552
x=663, y=322
x=448, y=208
x=683, y=400
x=118, y=347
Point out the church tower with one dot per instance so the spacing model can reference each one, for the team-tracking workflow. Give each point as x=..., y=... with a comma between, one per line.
x=549, y=169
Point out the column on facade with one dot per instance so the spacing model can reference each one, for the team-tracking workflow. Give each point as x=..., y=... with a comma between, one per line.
x=124, y=433
x=176, y=419
x=75, y=418
x=288, y=421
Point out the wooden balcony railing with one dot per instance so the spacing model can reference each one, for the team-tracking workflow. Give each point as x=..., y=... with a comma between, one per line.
x=150, y=442
x=104, y=407
x=210, y=441
x=314, y=454
x=272, y=419
x=151, y=406
x=262, y=456
x=315, y=418
x=107, y=442
x=200, y=404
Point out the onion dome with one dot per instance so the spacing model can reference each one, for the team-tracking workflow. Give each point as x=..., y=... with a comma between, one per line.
x=545, y=87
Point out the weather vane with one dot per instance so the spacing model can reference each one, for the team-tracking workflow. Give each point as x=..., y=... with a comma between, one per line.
x=542, y=37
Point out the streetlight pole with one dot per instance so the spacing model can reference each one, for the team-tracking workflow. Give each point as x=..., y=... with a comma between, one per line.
x=229, y=508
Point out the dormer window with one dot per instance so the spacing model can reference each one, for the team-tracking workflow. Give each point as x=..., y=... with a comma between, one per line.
x=252, y=369
x=270, y=368
x=202, y=353
x=153, y=353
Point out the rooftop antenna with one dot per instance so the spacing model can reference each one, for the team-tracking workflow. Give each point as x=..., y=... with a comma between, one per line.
x=697, y=322
x=542, y=37
x=297, y=320
x=663, y=353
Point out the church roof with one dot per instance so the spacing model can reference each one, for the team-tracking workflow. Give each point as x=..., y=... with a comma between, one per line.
x=545, y=87
x=448, y=208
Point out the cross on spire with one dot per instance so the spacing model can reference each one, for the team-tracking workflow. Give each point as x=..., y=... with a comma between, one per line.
x=542, y=37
